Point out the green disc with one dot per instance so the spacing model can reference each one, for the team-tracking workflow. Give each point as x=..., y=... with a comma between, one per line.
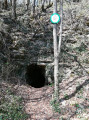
x=55, y=18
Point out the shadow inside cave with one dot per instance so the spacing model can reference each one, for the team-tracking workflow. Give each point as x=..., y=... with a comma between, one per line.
x=35, y=75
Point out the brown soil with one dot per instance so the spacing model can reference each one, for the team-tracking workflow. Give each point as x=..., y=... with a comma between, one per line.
x=73, y=91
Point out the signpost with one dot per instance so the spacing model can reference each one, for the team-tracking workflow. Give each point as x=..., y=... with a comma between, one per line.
x=55, y=18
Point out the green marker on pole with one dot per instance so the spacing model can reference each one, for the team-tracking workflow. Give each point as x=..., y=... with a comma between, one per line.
x=55, y=18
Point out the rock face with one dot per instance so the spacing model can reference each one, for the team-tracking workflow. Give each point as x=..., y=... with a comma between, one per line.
x=24, y=43
x=29, y=41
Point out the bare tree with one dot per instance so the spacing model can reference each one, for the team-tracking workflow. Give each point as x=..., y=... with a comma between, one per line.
x=33, y=7
x=28, y=1
x=14, y=9
x=49, y=2
x=5, y=4
x=11, y=2
x=44, y=10
x=34, y=1
x=1, y=5
x=57, y=48
x=56, y=86
x=60, y=31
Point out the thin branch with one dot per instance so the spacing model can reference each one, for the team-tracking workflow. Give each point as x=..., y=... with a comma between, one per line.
x=61, y=27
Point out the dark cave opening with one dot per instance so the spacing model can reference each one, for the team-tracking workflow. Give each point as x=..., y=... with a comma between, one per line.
x=35, y=75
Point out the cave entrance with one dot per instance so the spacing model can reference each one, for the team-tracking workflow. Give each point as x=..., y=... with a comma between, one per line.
x=35, y=75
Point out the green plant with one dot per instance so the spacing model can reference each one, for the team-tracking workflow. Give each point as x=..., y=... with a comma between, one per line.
x=61, y=118
x=66, y=96
x=55, y=106
x=77, y=105
x=79, y=109
x=12, y=110
x=51, y=84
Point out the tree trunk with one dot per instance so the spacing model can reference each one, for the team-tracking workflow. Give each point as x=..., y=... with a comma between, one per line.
x=28, y=1
x=33, y=6
x=1, y=5
x=49, y=2
x=56, y=82
x=14, y=9
x=60, y=36
x=5, y=4
x=43, y=9
x=11, y=2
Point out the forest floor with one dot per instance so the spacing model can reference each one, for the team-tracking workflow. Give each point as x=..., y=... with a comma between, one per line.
x=73, y=102
x=73, y=105
x=74, y=87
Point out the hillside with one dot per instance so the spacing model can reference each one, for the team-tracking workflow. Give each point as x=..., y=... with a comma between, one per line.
x=29, y=41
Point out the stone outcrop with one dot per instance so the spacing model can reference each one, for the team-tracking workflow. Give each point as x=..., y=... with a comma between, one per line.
x=29, y=41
